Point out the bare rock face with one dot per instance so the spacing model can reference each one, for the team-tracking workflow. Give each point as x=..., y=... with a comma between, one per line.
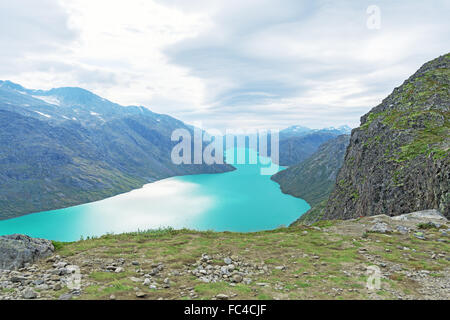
x=398, y=160
x=16, y=250
x=422, y=216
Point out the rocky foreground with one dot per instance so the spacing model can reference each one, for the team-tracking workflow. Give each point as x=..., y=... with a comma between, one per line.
x=329, y=260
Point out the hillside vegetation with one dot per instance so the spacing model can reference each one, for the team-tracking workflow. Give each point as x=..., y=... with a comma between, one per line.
x=313, y=179
x=68, y=146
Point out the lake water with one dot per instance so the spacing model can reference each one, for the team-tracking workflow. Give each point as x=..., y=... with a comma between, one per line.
x=242, y=200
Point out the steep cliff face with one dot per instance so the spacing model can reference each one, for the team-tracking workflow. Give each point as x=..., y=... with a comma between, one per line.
x=398, y=159
x=313, y=179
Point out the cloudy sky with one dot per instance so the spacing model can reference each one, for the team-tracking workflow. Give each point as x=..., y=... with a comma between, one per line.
x=227, y=63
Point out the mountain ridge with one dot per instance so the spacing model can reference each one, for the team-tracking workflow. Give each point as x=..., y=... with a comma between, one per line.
x=398, y=159
x=79, y=150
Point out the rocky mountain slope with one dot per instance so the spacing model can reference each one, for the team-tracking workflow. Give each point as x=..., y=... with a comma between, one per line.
x=68, y=146
x=313, y=179
x=398, y=159
x=296, y=149
x=299, y=131
x=297, y=143
x=329, y=260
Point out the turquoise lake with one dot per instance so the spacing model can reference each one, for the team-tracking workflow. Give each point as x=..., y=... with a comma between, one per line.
x=242, y=200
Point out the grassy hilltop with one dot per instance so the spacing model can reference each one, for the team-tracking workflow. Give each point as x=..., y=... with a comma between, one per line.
x=328, y=260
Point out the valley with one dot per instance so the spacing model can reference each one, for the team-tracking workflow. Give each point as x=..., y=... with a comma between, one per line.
x=379, y=203
x=84, y=148
x=242, y=200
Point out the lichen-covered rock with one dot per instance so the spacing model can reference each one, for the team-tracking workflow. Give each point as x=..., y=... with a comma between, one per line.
x=422, y=216
x=398, y=159
x=16, y=250
x=380, y=227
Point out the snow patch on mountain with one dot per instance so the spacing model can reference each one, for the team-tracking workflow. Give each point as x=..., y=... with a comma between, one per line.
x=49, y=99
x=43, y=114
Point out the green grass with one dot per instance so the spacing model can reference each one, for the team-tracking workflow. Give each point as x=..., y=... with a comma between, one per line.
x=315, y=261
x=97, y=291
x=212, y=289
x=426, y=226
x=103, y=276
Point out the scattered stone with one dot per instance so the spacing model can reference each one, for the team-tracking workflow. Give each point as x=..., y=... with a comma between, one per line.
x=205, y=258
x=205, y=279
x=65, y=296
x=29, y=293
x=166, y=282
x=402, y=229
x=380, y=227
x=262, y=284
x=42, y=287
x=420, y=235
x=16, y=279
x=43, y=278
x=134, y=279
x=60, y=264
x=119, y=270
x=38, y=282
x=237, y=278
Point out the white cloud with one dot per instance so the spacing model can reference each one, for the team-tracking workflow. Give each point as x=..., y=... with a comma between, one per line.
x=229, y=63
x=320, y=67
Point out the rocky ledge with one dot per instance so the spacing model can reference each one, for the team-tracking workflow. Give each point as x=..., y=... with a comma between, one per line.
x=18, y=251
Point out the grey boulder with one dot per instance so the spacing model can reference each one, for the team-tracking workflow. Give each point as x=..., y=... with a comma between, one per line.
x=380, y=227
x=28, y=293
x=16, y=250
x=421, y=216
